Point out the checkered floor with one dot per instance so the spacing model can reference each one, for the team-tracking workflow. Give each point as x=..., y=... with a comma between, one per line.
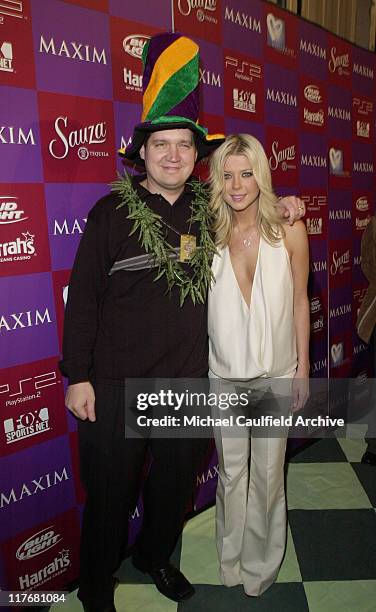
x=330, y=563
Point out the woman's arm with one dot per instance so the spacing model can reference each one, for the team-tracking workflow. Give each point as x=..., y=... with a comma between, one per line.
x=297, y=246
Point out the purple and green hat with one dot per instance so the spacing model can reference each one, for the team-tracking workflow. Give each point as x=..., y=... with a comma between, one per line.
x=171, y=93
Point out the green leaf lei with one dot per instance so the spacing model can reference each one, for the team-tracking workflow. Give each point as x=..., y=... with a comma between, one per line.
x=152, y=237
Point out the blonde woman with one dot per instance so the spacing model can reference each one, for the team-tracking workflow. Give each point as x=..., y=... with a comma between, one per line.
x=258, y=329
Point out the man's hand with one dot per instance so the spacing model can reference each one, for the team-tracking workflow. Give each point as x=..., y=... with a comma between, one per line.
x=292, y=208
x=80, y=400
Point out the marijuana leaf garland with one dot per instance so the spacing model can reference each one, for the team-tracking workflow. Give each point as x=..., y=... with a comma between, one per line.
x=151, y=236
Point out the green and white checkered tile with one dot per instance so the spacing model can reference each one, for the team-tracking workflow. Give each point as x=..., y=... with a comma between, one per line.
x=330, y=561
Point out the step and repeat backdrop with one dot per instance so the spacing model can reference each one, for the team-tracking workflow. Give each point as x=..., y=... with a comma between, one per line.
x=70, y=94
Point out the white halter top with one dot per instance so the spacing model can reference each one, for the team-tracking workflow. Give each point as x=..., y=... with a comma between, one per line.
x=258, y=341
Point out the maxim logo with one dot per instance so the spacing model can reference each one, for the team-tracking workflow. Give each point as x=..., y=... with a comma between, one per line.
x=208, y=77
x=357, y=260
x=314, y=225
x=359, y=348
x=282, y=156
x=318, y=266
x=281, y=97
x=340, y=215
x=339, y=63
x=132, y=81
x=321, y=364
x=12, y=135
x=134, y=44
x=313, y=161
x=243, y=20
x=362, y=203
x=12, y=8
x=24, y=319
x=365, y=167
x=209, y=475
x=58, y=566
x=6, y=57
x=26, y=425
x=69, y=228
x=73, y=50
x=243, y=70
x=341, y=263
x=340, y=311
x=9, y=212
x=18, y=249
x=364, y=71
x=44, y=482
x=312, y=94
x=38, y=543
x=244, y=100
x=91, y=135
x=312, y=49
x=339, y=113
x=185, y=8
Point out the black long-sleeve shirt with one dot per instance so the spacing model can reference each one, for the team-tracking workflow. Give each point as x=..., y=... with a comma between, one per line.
x=125, y=325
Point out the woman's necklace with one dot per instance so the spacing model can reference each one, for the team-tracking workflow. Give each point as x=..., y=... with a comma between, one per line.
x=249, y=237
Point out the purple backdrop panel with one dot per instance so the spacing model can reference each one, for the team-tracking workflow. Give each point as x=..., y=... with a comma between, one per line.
x=340, y=309
x=313, y=53
x=318, y=266
x=364, y=69
x=71, y=58
x=363, y=166
x=319, y=359
x=340, y=225
x=243, y=26
x=313, y=161
x=357, y=274
x=19, y=136
x=67, y=208
x=281, y=96
x=237, y=126
x=126, y=117
x=339, y=112
x=141, y=11
x=27, y=319
x=34, y=483
x=211, y=78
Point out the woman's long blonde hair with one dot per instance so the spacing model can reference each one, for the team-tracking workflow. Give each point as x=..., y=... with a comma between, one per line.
x=268, y=221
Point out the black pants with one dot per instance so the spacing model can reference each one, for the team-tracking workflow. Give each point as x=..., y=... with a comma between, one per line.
x=111, y=469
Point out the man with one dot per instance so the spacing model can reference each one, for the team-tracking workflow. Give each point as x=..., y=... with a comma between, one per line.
x=122, y=323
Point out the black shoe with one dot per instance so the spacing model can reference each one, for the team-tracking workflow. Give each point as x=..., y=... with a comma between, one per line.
x=168, y=580
x=369, y=458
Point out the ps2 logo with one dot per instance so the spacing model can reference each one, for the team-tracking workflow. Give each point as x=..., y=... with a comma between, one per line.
x=38, y=382
x=243, y=70
x=363, y=107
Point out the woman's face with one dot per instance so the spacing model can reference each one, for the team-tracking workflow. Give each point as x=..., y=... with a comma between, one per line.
x=240, y=188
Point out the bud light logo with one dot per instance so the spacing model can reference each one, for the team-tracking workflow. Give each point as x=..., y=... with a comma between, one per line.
x=38, y=543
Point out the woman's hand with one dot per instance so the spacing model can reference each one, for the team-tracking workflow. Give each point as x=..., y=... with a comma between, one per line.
x=300, y=390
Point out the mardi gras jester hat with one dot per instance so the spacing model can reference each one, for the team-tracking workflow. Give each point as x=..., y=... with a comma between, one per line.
x=171, y=93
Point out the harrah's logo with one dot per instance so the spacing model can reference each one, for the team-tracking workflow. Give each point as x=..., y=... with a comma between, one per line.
x=20, y=248
x=73, y=50
x=58, y=566
x=362, y=203
x=186, y=7
x=340, y=263
x=134, y=44
x=9, y=212
x=38, y=543
x=339, y=63
x=282, y=156
x=89, y=135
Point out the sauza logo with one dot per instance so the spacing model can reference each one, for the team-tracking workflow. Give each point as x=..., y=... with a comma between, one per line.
x=134, y=44
x=73, y=50
x=89, y=135
x=9, y=212
x=38, y=543
x=6, y=57
x=243, y=70
x=282, y=156
x=187, y=6
x=312, y=94
x=243, y=20
x=336, y=161
x=18, y=249
x=362, y=203
x=341, y=262
x=339, y=63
